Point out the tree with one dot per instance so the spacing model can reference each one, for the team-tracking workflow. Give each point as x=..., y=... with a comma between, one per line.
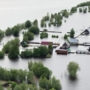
x=72, y=33
x=28, y=24
x=28, y=36
x=43, y=50
x=26, y=54
x=72, y=69
x=14, y=49
x=39, y=70
x=15, y=31
x=34, y=30
x=43, y=35
x=55, y=84
x=45, y=83
x=50, y=49
x=30, y=77
x=35, y=23
x=8, y=31
x=65, y=37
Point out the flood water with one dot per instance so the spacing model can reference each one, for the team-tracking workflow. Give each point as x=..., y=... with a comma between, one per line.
x=18, y=11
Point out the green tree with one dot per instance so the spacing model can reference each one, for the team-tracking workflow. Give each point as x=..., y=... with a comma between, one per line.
x=8, y=31
x=15, y=31
x=34, y=30
x=43, y=35
x=26, y=54
x=28, y=24
x=72, y=69
x=72, y=33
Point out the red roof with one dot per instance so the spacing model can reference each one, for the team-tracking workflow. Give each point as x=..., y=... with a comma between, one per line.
x=46, y=43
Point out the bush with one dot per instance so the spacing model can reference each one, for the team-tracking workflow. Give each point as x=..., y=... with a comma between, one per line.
x=72, y=69
x=26, y=54
x=28, y=24
x=43, y=35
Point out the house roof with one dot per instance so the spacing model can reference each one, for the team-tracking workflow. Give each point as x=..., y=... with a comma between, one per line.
x=73, y=40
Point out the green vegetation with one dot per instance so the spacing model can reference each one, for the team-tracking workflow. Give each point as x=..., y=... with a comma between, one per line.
x=65, y=37
x=1, y=54
x=8, y=31
x=72, y=69
x=26, y=54
x=80, y=10
x=65, y=13
x=72, y=33
x=40, y=52
x=35, y=23
x=51, y=84
x=39, y=70
x=28, y=24
x=15, y=31
x=55, y=36
x=1, y=35
x=73, y=10
x=12, y=49
x=34, y=29
x=85, y=10
x=43, y=35
x=28, y=36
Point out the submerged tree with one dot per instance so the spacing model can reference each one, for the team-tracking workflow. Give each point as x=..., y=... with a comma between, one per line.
x=73, y=67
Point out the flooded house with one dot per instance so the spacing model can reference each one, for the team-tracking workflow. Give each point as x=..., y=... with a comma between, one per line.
x=63, y=49
x=73, y=41
x=86, y=31
x=65, y=46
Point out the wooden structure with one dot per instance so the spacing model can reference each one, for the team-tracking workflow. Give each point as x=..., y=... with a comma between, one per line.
x=62, y=51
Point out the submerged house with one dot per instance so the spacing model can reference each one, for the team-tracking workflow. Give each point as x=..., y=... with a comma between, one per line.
x=63, y=49
x=86, y=31
x=65, y=46
x=73, y=41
